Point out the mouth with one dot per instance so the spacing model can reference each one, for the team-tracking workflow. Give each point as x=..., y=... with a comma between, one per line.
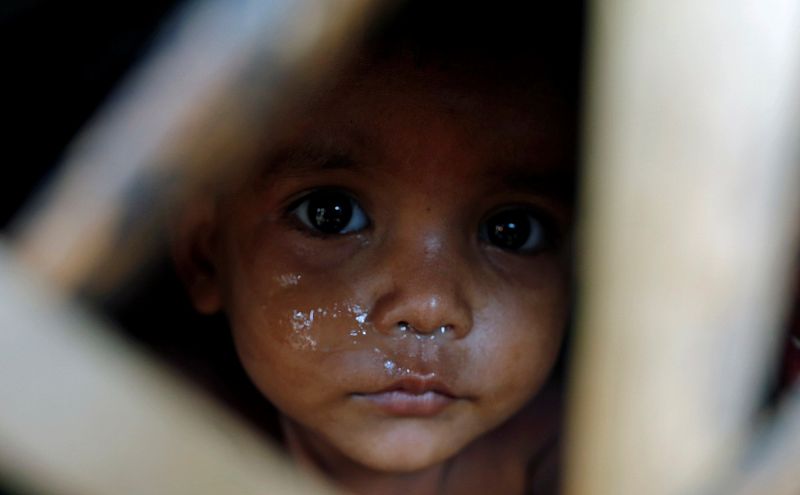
x=412, y=396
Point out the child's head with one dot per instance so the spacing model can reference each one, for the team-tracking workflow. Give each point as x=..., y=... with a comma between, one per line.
x=396, y=278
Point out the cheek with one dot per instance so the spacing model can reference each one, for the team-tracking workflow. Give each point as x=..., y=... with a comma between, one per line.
x=277, y=294
x=300, y=324
x=285, y=346
x=290, y=310
x=297, y=329
x=277, y=308
x=517, y=340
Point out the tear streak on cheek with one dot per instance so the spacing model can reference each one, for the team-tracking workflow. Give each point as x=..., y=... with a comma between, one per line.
x=288, y=280
x=345, y=327
x=326, y=329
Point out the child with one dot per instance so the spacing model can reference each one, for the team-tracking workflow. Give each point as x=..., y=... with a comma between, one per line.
x=396, y=278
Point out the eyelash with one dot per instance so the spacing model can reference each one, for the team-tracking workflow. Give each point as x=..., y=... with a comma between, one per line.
x=536, y=222
x=299, y=213
x=519, y=229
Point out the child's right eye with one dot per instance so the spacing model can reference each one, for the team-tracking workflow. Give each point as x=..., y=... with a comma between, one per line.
x=330, y=211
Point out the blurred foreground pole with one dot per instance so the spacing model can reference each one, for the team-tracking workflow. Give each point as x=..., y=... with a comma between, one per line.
x=83, y=413
x=222, y=77
x=691, y=214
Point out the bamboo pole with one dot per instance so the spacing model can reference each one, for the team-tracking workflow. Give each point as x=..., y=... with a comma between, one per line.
x=85, y=413
x=218, y=82
x=690, y=213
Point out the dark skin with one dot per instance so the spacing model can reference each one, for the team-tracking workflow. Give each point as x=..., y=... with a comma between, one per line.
x=397, y=279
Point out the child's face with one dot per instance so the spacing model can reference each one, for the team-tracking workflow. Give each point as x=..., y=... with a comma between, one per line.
x=397, y=278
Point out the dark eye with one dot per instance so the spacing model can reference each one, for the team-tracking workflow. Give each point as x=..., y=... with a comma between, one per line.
x=330, y=211
x=515, y=229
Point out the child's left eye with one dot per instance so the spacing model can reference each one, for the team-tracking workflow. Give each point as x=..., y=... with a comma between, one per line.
x=516, y=229
x=330, y=211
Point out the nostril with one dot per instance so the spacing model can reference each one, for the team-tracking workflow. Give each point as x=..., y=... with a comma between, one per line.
x=404, y=326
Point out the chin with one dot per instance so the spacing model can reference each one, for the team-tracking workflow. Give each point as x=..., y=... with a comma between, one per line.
x=406, y=450
x=402, y=461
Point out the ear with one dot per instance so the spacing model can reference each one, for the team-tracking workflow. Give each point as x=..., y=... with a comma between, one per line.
x=191, y=236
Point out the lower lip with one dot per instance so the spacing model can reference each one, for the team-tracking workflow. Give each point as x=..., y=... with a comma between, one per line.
x=402, y=403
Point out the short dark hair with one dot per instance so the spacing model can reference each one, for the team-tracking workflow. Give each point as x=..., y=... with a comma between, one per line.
x=505, y=39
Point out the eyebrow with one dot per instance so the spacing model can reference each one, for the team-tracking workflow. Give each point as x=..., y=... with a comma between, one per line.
x=313, y=157
x=307, y=159
x=339, y=148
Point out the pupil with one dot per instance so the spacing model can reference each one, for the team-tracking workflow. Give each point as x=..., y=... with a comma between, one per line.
x=330, y=212
x=509, y=229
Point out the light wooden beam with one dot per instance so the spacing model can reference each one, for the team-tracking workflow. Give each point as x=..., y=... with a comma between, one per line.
x=690, y=220
x=85, y=413
x=221, y=76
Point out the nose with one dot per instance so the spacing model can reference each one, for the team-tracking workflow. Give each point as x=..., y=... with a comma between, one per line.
x=424, y=294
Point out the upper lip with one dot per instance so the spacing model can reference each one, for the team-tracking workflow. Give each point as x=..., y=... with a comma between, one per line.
x=418, y=385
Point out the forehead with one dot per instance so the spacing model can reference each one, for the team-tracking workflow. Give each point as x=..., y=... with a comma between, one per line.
x=397, y=114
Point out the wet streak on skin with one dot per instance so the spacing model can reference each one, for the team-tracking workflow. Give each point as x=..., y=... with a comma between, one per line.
x=355, y=333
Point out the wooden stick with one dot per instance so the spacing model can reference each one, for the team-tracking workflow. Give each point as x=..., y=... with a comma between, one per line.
x=211, y=92
x=690, y=220
x=85, y=413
